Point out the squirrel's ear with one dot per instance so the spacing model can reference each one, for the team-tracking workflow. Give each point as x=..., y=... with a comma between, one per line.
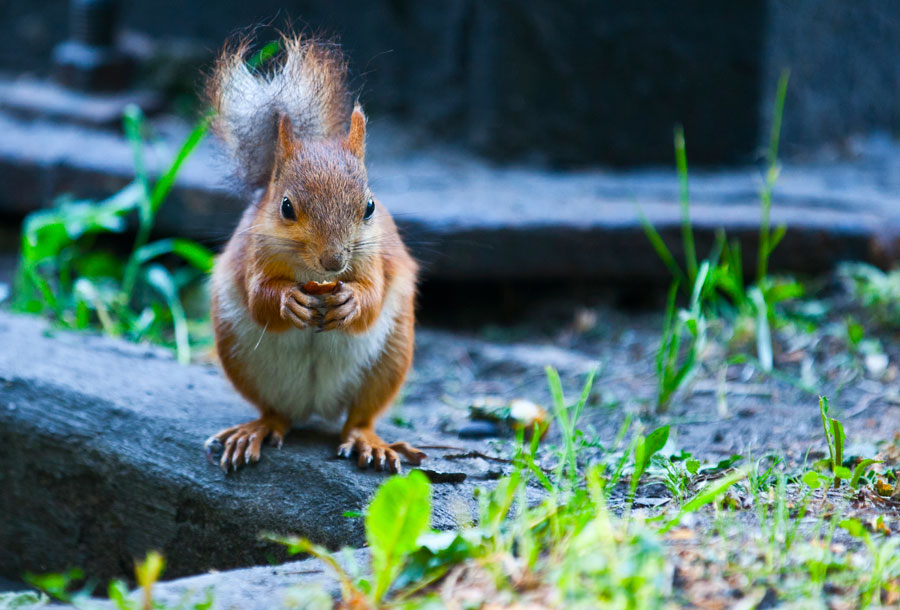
x=287, y=143
x=356, y=138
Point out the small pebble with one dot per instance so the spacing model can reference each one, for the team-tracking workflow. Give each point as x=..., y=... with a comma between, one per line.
x=479, y=429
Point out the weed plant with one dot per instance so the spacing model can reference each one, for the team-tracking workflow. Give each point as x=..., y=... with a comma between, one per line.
x=66, y=271
x=716, y=286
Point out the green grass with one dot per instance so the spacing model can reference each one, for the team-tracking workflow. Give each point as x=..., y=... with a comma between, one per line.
x=877, y=292
x=573, y=550
x=582, y=543
x=70, y=271
x=716, y=287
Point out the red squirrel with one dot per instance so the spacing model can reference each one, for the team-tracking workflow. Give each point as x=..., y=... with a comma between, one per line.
x=297, y=139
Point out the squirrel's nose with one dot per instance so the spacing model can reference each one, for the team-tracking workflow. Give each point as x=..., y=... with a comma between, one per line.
x=332, y=262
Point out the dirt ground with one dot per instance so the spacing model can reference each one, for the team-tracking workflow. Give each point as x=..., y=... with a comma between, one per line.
x=725, y=410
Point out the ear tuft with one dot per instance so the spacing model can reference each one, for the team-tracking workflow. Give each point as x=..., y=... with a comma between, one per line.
x=287, y=143
x=356, y=137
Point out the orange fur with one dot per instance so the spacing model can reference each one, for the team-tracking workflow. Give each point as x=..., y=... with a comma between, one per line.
x=311, y=218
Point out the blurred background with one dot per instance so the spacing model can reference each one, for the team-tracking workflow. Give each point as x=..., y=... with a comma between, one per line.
x=514, y=141
x=570, y=83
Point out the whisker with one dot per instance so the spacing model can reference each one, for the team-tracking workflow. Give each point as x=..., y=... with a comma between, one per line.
x=248, y=229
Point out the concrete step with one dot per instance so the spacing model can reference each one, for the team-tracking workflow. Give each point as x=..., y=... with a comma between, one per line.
x=467, y=220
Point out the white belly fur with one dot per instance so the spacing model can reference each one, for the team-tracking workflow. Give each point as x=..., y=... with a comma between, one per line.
x=301, y=373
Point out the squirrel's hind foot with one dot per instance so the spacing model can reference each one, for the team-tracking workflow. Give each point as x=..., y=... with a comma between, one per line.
x=242, y=444
x=374, y=451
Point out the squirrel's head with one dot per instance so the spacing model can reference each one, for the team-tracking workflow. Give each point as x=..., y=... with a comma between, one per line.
x=318, y=215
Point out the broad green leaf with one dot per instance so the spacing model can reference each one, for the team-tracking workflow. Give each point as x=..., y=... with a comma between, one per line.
x=56, y=585
x=722, y=464
x=645, y=448
x=437, y=552
x=854, y=528
x=398, y=515
x=99, y=264
x=813, y=480
x=656, y=440
x=117, y=591
x=842, y=472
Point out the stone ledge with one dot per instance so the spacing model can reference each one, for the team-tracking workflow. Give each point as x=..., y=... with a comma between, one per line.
x=100, y=441
x=467, y=220
x=101, y=446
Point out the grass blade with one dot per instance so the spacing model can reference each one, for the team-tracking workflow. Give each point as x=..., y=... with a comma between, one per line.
x=705, y=496
x=195, y=254
x=161, y=280
x=687, y=231
x=659, y=246
x=763, y=330
x=765, y=238
x=167, y=180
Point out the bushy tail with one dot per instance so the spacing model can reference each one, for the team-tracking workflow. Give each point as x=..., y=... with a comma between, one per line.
x=306, y=82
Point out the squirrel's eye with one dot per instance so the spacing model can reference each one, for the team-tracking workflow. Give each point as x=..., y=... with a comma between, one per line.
x=370, y=209
x=287, y=209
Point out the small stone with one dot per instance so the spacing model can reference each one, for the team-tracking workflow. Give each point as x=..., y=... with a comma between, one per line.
x=479, y=428
x=877, y=364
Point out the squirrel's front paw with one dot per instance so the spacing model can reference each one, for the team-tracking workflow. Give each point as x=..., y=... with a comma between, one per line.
x=341, y=308
x=241, y=444
x=299, y=308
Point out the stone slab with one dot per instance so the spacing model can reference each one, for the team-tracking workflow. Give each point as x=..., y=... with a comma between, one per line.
x=30, y=98
x=288, y=585
x=468, y=220
x=100, y=441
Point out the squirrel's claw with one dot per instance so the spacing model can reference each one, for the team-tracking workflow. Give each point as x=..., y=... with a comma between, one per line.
x=340, y=316
x=299, y=309
x=372, y=450
x=242, y=445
